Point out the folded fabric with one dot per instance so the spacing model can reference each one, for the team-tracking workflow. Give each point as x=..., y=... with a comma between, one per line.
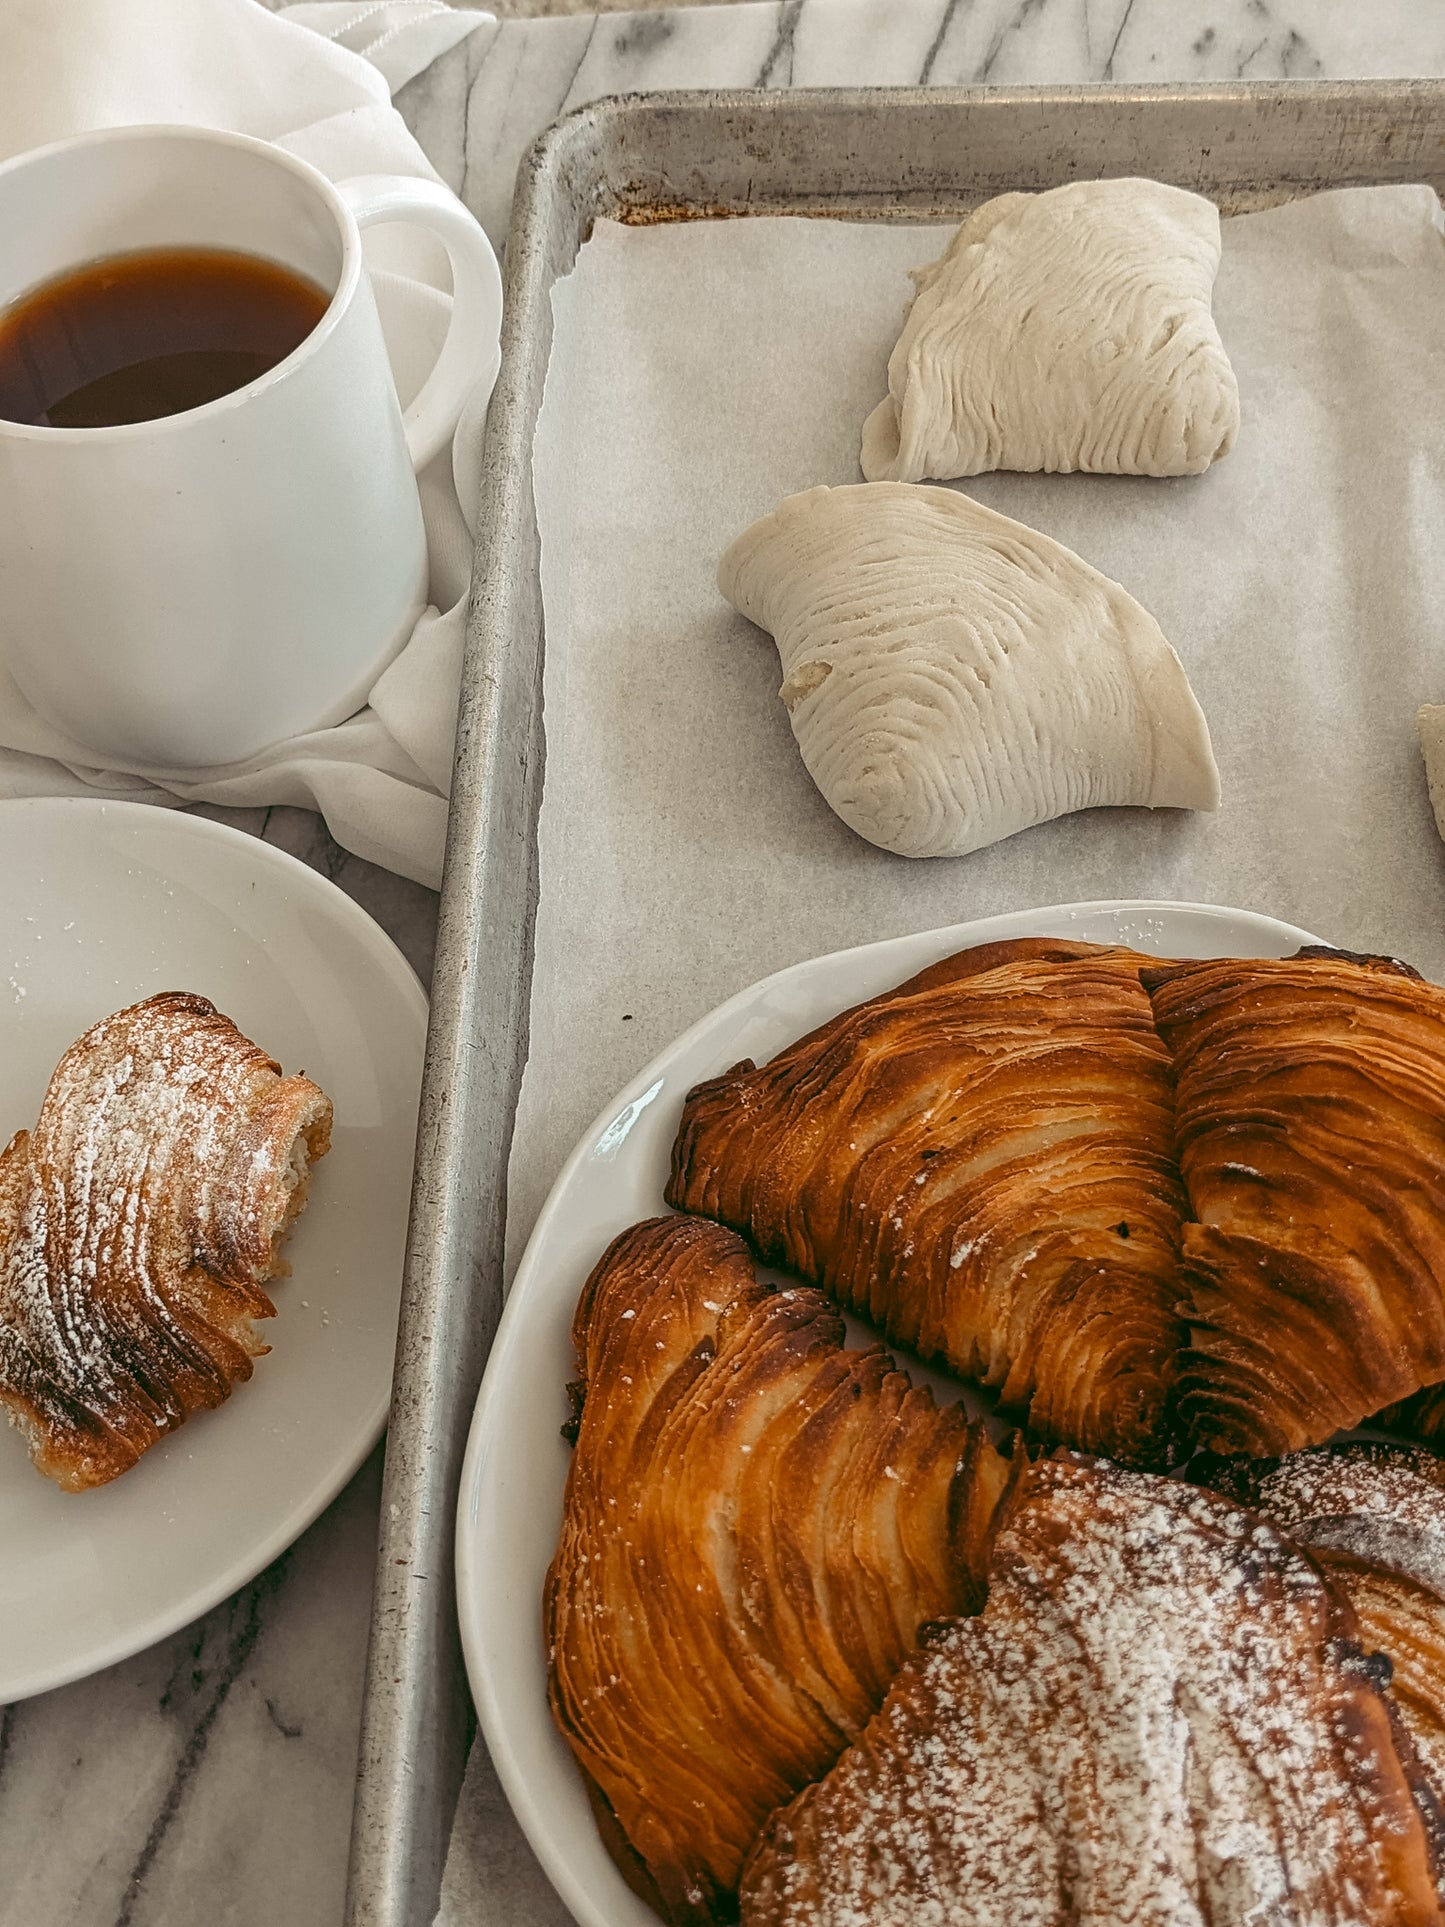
x=317, y=80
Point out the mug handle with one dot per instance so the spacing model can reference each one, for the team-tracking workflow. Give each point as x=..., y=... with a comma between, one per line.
x=470, y=353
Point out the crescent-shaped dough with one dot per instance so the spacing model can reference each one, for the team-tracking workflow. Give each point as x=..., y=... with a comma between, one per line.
x=1061, y=331
x=953, y=677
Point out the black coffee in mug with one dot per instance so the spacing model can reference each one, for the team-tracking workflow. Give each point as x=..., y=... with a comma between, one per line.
x=137, y=336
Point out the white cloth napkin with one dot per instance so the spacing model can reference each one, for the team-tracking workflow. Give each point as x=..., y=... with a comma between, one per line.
x=317, y=79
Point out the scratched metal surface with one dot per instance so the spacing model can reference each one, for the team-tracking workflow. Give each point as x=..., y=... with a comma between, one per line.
x=879, y=154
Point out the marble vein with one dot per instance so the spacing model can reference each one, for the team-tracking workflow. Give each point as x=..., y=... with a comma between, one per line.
x=479, y=107
x=1114, y=45
x=209, y=1687
x=777, y=69
x=935, y=46
x=209, y=1779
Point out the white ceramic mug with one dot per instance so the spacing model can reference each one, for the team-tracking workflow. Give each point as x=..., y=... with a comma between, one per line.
x=186, y=591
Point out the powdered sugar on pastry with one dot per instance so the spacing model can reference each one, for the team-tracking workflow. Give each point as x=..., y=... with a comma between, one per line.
x=1161, y=1717
x=138, y=1224
x=1373, y=1516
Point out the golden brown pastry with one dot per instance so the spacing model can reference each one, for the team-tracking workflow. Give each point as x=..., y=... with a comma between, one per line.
x=1162, y=1718
x=757, y=1521
x=1311, y=1130
x=1373, y=1516
x=139, y=1222
x=980, y=1162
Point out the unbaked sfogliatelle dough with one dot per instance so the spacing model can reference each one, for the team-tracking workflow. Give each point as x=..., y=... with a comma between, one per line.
x=1061, y=331
x=1430, y=722
x=953, y=676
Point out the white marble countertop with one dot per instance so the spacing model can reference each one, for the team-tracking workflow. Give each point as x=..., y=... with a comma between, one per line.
x=210, y=1778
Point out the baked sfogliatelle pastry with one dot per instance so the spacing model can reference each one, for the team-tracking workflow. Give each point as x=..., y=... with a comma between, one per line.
x=981, y=1163
x=1374, y=1517
x=1065, y=330
x=139, y=1223
x=1162, y=1717
x=952, y=676
x=757, y=1521
x=1311, y=1130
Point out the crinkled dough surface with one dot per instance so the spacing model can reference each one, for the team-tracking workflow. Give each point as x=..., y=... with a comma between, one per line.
x=1069, y=330
x=953, y=677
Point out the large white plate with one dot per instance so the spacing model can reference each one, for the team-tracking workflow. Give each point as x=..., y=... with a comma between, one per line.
x=102, y=904
x=516, y=1464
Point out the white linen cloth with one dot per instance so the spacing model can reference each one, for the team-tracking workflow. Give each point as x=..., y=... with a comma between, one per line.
x=316, y=79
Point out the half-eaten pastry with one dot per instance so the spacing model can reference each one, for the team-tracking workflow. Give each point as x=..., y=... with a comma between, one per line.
x=139, y=1223
x=1065, y=330
x=953, y=677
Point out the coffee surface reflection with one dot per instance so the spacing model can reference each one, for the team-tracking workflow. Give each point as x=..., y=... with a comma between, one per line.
x=138, y=336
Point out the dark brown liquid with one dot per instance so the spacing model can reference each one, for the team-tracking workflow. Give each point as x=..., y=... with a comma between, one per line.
x=137, y=336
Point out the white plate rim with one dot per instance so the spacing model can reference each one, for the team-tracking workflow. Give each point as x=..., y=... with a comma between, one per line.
x=548, y=1842
x=259, y=1553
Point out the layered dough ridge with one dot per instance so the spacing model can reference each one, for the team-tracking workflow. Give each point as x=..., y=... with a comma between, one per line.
x=1154, y=1205
x=953, y=677
x=1068, y=330
x=140, y=1222
x=757, y=1522
x=981, y=1163
x=1372, y=1516
x=1311, y=1131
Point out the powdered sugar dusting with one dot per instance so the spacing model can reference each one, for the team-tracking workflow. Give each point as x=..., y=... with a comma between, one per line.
x=1381, y=1504
x=137, y=1224
x=1155, y=1720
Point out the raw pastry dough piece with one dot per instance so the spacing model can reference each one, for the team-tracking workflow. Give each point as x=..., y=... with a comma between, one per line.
x=953, y=677
x=1430, y=722
x=1064, y=330
x=757, y=1521
x=1161, y=1719
x=1310, y=1120
x=981, y=1162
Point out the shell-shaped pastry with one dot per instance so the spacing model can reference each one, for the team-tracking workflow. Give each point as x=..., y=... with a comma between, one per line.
x=139, y=1221
x=1310, y=1120
x=1162, y=1717
x=953, y=677
x=757, y=1521
x=980, y=1162
x=1060, y=331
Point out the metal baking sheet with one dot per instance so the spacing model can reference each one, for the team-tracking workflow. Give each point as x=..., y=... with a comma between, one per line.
x=902, y=154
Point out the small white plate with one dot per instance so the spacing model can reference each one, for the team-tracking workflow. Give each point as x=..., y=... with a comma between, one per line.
x=510, y=1507
x=105, y=903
